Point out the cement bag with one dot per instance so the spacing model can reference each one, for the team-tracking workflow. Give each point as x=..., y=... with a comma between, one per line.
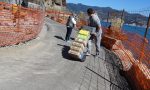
x=75, y=54
x=78, y=49
x=92, y=30
x=84, y=42
x=80, y=45
x=84, y=32
x=82, y=37
x=79, y=40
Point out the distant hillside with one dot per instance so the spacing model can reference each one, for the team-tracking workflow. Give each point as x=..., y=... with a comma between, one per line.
x=103, y=13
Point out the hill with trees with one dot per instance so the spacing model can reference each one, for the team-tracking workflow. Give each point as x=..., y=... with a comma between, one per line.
x=129, y=18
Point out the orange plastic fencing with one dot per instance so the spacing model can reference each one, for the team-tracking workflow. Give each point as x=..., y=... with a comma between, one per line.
x=140, y=51
x=58, y=16
x=62, y=17
x=19, y=24
x=134, y=55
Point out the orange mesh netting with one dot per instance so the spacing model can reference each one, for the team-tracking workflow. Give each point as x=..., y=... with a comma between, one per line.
x=134, y=53
x=19, y=24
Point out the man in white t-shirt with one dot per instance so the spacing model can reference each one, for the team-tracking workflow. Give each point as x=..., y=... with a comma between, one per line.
x=71, y=23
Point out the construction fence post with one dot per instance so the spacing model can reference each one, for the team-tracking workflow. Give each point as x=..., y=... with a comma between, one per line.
x=108, y=17
x=148, y=25
x=144, y=42
x=122, y=17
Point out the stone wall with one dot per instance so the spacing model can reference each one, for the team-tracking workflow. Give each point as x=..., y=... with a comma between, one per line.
x=55, y=4
x=52, y=4
x=49, y=4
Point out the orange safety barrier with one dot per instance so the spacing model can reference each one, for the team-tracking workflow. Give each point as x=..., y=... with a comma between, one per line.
x=19, y=24
x=140, y=71
x=62, y=17
x=58, y=16
x=133, y=51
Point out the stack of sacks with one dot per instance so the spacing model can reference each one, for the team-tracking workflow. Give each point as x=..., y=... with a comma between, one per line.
x=78, y=46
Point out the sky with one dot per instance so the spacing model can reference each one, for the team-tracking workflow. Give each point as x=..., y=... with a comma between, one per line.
x=128, y=5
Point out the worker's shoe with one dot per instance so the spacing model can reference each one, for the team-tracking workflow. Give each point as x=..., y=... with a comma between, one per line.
x=67, y=41
x=88, y=54
x=97, y=53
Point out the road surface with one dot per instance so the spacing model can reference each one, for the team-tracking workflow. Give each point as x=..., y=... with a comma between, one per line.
x=43, y=64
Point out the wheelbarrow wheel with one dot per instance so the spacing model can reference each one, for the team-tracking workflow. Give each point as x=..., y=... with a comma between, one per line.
x=83, y=58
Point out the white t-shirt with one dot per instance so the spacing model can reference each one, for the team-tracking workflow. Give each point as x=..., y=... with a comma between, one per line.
x=74, y=21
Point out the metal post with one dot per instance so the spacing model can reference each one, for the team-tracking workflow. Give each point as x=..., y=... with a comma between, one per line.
x=144, y=43
x=108, y=18
x=18, y=2
x=18, y=17
x=148, y=25
x=122, y=16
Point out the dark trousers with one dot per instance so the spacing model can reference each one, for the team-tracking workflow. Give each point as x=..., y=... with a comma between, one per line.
x=69, y=30
x=25, y=3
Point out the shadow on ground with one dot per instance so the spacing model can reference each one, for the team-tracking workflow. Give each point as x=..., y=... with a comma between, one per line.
x=114, y=67
x=72, y=38
x=59, y=37
x=65, y=53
